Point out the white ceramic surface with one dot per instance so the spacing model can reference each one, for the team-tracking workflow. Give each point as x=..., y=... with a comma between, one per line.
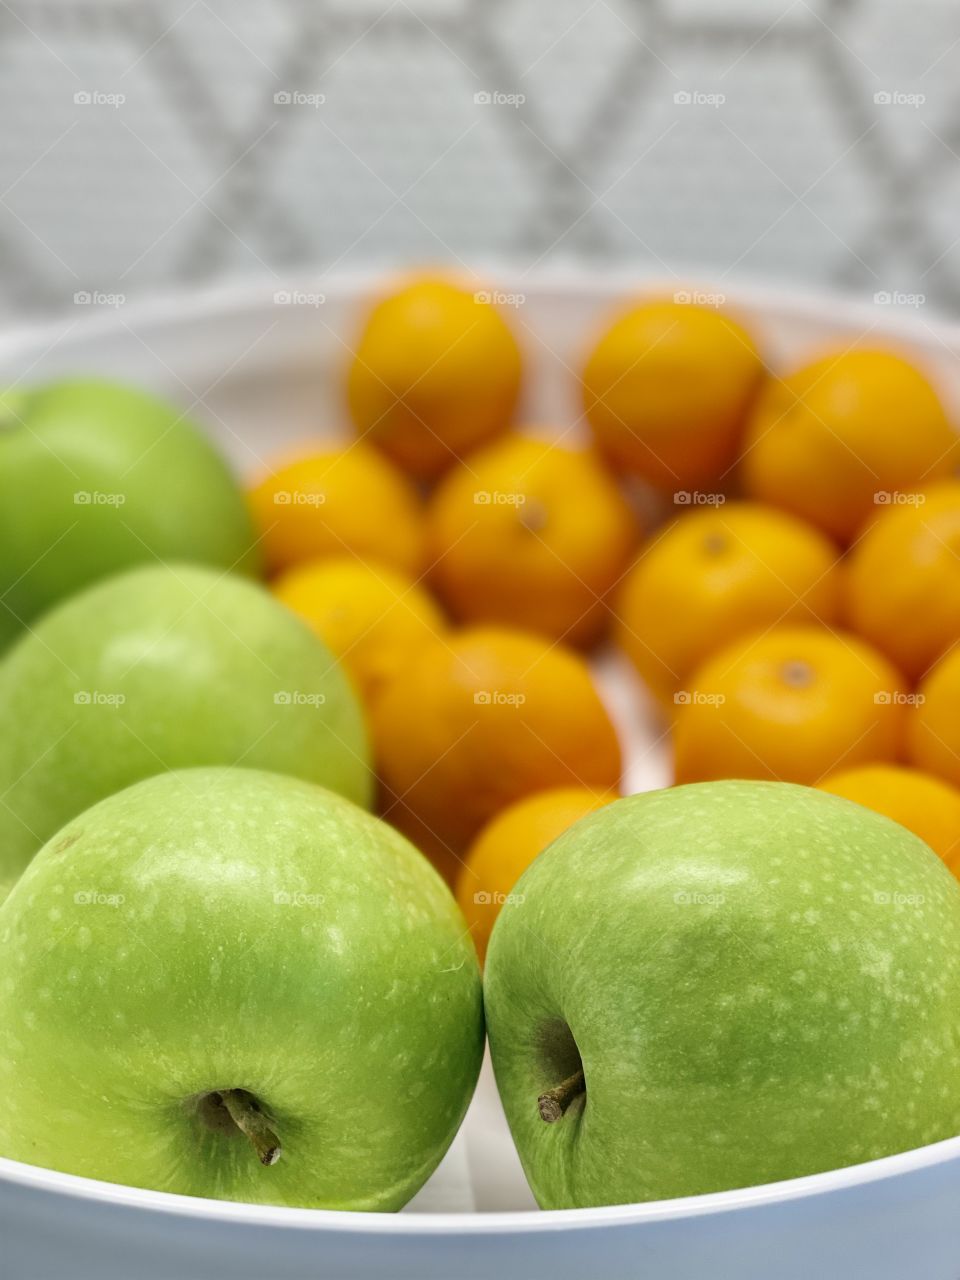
x=262, y=373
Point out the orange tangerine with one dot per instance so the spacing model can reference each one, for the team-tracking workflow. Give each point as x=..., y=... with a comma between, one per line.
x=480, y=721
x=436, y=372
x=903, y=579
x=530, y=534
x=716, y=574
x=927, y=806
x=934, y=725
x=667, y=389
x=835, y=437
x=371, y=617
x=793, y=704
x=336, y=501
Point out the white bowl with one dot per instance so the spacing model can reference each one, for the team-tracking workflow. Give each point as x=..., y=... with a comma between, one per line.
x=262, y=372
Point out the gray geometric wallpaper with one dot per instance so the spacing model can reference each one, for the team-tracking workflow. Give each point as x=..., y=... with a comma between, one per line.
x=150, y=143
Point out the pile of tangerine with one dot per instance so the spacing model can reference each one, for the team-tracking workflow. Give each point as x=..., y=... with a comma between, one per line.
x=794, y=609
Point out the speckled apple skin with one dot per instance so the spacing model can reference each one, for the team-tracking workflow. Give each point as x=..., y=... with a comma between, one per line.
x=199, y=659
x=763, y=981
x=157, y=949
x=172, y=495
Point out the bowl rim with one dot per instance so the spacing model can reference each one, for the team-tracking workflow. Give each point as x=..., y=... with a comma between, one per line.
x=198, y=306
x=116, y=1196
x=607, y=285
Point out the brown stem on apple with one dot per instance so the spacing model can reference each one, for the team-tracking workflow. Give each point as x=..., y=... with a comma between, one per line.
x=554, y=1102
x=250, y=1120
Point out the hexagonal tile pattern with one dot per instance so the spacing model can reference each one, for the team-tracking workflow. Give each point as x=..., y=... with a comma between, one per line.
x=562, y=56
x=724, y=173
x=100, y=177
x=402, y=131
x=905, y=62
x=253, y=46
x=806, y=139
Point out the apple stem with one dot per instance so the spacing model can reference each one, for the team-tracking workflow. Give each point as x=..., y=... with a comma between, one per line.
x=554, y=1102
x=250, y=1120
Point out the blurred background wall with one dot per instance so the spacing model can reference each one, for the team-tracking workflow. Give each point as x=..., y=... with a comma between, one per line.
x=150, y=143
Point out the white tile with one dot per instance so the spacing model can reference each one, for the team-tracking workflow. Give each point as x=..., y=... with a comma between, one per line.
x=745, y=172
x=99, y=185
x=562, y=57
x=399, y=156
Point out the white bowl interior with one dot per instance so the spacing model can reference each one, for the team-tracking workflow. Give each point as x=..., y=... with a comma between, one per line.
x=263, y=375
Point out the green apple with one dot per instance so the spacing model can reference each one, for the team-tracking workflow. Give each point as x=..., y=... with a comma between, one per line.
x=10, y=626
x=233, y=984
x=160, y=668
x=95, y=478
x=723, y=985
